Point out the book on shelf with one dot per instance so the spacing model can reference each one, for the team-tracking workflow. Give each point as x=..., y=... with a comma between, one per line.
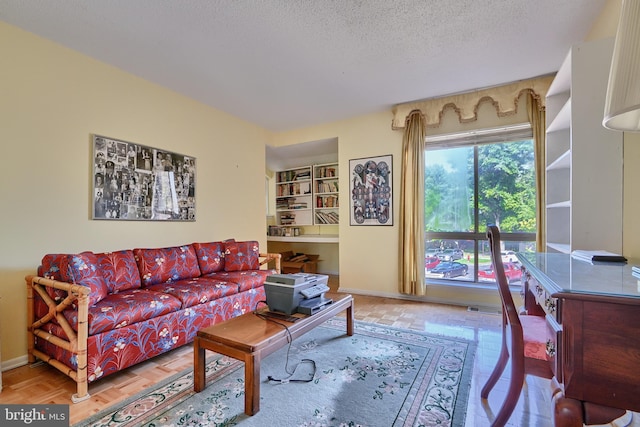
x=325, y=172
x=327, y=187
x=327, y=218
x=287, y=219
x=293, y=189
x=597, y=256
x=326, y=201
x=294, y=175
x=299, y=205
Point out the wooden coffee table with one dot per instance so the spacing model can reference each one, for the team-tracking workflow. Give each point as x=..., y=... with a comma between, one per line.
x=249, y=338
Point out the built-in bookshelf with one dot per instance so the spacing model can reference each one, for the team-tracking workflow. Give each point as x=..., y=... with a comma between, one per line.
x=294, y=199
x=308, y=195
x=326, y=194
x=584, y=159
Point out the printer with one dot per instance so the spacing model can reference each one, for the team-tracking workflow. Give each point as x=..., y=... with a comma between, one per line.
x=298, y=292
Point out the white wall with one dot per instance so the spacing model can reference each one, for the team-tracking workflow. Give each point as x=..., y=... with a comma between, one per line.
x=51, y=101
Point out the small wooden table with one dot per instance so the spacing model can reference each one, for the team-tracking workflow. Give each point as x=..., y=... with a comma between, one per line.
x=249, y=338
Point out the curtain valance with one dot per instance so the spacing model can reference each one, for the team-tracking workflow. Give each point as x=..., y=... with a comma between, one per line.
x=504, y=98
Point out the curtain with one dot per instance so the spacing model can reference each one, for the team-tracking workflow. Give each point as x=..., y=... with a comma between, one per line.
x=504, y=99
x=412, y=233
x=537, y=115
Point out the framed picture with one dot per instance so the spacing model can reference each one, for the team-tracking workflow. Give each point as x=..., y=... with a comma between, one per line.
x=136, y=182
x=371, y=191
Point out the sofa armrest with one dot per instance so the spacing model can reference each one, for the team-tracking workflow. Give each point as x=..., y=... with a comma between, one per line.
x=266, y=257
x=77, y=341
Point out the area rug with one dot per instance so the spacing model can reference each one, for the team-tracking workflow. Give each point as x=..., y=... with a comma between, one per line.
x=380, y=376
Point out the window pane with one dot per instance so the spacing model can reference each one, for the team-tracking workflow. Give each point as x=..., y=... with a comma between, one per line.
x=449, y=190
x=509, y=261
x=502, y=175
x=506, y=186
x=449, y=259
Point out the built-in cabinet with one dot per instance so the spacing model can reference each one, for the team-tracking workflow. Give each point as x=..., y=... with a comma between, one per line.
x=583, y=158
x=307, y=196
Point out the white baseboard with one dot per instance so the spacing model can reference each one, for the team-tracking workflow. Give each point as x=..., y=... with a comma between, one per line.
x=436, y=300
x=330, y=273
x=14, y=363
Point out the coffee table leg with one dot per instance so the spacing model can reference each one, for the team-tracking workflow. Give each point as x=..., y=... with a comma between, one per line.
x=252, y=383
x=350, y=319
x=198, y=366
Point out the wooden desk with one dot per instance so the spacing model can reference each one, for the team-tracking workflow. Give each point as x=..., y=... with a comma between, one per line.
x=594, y=311
x=249, y=338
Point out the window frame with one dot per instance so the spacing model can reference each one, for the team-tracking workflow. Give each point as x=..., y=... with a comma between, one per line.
x=475, y=139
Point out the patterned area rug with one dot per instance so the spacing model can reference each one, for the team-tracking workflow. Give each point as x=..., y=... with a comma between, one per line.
x=380, y=376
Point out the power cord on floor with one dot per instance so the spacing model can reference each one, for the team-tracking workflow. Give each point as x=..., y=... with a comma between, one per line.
x=286, y=364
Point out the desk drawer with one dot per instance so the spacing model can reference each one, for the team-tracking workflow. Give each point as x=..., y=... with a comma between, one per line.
x=554, y=346
x=550, y=305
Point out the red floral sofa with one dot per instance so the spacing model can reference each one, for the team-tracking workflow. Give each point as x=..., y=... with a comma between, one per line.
x=93, y=314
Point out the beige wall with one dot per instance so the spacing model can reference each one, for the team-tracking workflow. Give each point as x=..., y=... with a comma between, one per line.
x=368, y=254
x=51, y=101
x=631, y=197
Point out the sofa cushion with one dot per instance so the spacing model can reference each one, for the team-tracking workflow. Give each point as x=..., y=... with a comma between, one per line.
x=196, y=291
x=83, y=269
x=244, y=280
x=50, y=266
x=120, y=270
x=210, y=256
x=126, y=308
x=166, y=264
x=239, y=256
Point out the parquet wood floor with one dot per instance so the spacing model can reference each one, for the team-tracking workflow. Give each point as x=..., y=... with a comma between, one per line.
x=44, y=384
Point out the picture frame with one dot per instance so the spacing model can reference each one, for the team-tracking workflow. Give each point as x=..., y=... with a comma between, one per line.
x=135, y=182
x=371, y=190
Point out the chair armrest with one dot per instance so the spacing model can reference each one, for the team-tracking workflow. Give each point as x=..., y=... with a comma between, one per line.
x=76, y=294
x=268, y=257
x=76, y=342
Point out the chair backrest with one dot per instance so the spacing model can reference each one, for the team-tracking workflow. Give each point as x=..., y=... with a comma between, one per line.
x=509, y=311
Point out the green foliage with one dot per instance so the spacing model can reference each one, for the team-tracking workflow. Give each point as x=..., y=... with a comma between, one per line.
x=506, y=188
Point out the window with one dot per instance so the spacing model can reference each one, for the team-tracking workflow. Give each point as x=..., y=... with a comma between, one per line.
x=472, y=181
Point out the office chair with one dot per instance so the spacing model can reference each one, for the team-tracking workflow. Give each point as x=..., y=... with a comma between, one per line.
x=524, y=340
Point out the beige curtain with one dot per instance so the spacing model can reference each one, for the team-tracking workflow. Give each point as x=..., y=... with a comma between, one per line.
x=504, y=98
x=537, y=114
x=412, y=280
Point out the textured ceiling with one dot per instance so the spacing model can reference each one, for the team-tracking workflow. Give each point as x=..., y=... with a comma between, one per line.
x=285, y=64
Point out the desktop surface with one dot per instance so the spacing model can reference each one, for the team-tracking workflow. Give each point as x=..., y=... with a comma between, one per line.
x=561, y=273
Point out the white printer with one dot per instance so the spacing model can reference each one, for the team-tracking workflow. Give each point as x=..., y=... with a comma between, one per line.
x=298, y=292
